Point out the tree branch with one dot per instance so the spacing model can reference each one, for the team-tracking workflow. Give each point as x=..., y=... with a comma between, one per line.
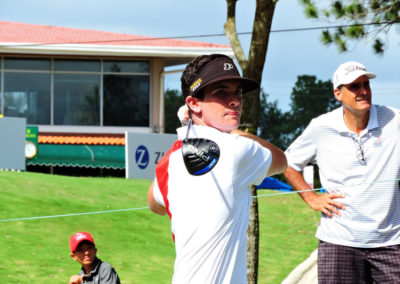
x=260, y=37
x=231, y=34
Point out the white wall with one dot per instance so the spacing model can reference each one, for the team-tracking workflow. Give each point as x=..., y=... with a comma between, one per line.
x=12, y=143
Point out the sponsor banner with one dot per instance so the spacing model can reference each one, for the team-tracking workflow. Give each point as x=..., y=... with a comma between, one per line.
x=144, y=151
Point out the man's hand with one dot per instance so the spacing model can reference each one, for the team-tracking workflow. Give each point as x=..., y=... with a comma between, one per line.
x=326, y=203
x=319, y=202
x=76, y=279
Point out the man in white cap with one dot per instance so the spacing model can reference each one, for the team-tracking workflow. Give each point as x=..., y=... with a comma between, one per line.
x=357, y=150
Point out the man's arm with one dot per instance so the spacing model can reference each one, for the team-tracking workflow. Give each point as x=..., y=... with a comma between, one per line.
x=153, y=204
x=279, y=162
x=319, y=202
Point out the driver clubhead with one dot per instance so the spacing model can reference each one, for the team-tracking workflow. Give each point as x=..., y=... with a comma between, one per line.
x=200, y=155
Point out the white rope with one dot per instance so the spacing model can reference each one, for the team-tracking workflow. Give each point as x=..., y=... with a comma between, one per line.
x=72, y=214
x=142, y=208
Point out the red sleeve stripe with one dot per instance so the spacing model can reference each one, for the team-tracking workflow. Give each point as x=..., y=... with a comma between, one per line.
x=162, y=173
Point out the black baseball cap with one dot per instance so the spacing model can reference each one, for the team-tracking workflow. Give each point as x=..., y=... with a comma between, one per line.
x=220, y=69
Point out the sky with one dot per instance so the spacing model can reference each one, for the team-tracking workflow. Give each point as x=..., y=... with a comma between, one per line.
x=290, y=54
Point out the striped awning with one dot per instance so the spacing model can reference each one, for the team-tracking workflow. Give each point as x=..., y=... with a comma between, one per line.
x=79, y=155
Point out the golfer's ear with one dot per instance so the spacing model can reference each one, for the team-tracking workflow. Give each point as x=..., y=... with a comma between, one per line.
x=193, y=104
x=338, y=94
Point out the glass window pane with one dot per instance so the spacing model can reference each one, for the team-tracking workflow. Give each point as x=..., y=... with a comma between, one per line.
x=76, y=99
x=126, y=66
x=27, y=64
x=27, y=95
x=77, y=65
x=126, y=100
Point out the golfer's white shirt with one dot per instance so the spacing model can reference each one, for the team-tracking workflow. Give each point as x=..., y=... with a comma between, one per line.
x=372, y=199
x=210, y=213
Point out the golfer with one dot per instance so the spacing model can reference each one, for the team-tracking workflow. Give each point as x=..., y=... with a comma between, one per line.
x=357, y=150
x=210, y=212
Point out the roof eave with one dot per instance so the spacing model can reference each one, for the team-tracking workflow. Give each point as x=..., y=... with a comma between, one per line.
x=112, y=50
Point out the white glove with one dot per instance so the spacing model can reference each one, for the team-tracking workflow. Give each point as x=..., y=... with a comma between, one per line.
x=183, y=115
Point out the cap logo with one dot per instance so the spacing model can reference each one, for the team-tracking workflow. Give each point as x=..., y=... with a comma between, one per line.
x=80, y=236
x=195, y=85
x=228, y=66
x=354, y=68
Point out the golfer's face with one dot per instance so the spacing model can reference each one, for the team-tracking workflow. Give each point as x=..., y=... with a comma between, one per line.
x=222, y=105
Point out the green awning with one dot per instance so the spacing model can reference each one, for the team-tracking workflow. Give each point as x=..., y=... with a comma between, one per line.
x=89, y=156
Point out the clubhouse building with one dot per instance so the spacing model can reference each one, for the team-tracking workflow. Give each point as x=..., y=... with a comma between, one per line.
x=81, y=90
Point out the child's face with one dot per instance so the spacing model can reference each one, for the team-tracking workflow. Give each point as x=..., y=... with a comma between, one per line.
x=85, y=253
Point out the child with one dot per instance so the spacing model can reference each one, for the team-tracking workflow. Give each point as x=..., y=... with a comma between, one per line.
x=93, y=269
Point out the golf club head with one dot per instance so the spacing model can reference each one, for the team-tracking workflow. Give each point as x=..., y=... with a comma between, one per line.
x=200, y=155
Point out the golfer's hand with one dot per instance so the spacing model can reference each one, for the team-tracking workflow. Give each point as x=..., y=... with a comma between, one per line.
x=183, y=115
x=76, y=279
x=326, y=203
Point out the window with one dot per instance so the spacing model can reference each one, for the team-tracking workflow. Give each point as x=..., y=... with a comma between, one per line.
x=27, y=64
x=77, y=65
x=27, y=89
x=77, y=92
x=27, y=95
x=126, y=100
x=126, y=67
x=126, y=93
x=76, y=99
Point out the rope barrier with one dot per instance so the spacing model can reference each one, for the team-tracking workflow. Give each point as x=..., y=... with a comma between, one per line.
x=332, y=189
x=142, y=208
x=72, y=214
x=287, y=192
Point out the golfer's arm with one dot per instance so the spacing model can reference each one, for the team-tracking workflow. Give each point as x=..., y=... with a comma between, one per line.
x=153, y=205
x=298, y=183
x=279, y=162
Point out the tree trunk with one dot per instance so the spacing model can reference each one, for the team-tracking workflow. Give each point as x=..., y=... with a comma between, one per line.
x=253, y=239
x=252, y=68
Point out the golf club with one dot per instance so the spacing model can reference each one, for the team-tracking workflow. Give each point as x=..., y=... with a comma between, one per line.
x=199, y=154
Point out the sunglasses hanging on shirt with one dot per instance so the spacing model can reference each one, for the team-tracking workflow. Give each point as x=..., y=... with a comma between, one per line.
x=360, y=151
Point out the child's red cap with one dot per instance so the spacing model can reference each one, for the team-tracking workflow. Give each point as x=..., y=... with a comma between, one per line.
x=79, y=237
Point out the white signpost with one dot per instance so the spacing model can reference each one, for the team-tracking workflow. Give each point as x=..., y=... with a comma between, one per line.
x=12, y=143
x=144, y=151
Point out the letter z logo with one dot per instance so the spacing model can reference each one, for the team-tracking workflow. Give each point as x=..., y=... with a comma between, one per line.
x=142, y=157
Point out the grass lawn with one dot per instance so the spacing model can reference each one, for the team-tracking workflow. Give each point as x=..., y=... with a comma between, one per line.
x=137, y=243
